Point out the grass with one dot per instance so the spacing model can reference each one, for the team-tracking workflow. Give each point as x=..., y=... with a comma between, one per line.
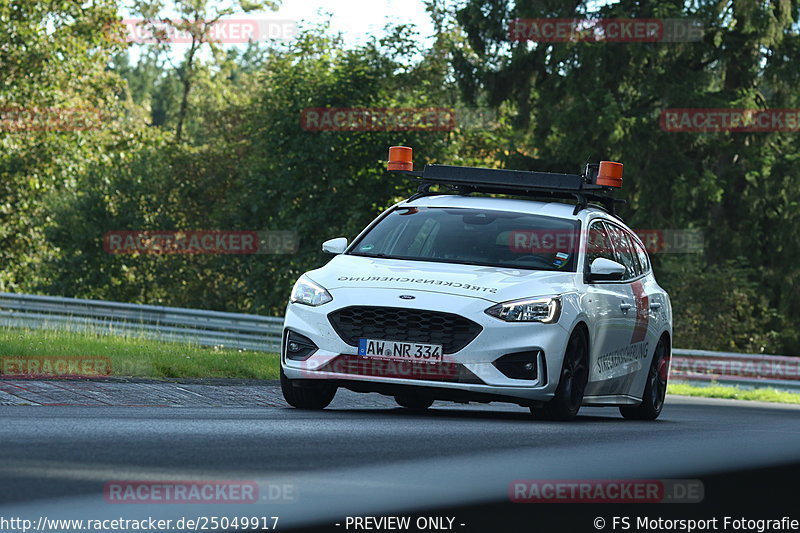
x=735, y=393
x=139, y=357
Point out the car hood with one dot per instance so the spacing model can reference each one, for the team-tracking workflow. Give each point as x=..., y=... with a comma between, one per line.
x=493, y=284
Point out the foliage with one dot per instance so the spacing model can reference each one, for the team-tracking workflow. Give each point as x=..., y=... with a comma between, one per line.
x=55, y=92
x=251, y=167
x=720, y=307
x=214, y=141
x=603, y=100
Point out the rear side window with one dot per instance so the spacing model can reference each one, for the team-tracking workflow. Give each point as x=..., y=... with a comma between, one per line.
x=624, y=252
x=644, y=260
x=639, y=269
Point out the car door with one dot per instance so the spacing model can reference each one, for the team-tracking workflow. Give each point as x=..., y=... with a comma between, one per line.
x=652, y=313
x=626, y=368
x=609, y=321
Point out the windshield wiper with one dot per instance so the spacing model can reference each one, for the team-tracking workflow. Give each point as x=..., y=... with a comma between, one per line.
x=381, y=255
x=454, y=262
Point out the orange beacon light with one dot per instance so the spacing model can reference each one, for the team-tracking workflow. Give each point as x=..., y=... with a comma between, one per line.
x=401, y=158
x=609, y=174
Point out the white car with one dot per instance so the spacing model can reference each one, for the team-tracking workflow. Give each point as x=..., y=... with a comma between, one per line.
x=469, y=298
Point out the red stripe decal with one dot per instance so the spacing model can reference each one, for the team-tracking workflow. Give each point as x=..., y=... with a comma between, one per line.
x=642, y=312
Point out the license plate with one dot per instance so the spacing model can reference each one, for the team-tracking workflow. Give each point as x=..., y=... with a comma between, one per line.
x=403, y=351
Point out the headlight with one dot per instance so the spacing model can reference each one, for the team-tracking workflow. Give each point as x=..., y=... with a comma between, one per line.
x=546, y=310
x=307, y=292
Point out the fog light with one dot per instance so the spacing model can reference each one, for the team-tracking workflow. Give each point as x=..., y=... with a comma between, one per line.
x=519, y=365
x=299, y=347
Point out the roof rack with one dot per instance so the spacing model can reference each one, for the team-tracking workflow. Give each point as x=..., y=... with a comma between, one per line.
x=596, y=184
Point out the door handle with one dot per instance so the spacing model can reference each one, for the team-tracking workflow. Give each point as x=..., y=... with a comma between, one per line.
x=655, y=306
x=624, y=306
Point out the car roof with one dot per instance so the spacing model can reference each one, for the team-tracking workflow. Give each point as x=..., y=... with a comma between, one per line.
x=553, y=209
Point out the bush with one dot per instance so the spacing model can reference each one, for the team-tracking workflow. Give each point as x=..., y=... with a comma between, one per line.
x=720, y=307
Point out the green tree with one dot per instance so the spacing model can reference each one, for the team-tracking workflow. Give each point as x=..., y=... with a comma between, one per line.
x=56, y=95
x=249, y=165
x=574, y=100
x=196, y=19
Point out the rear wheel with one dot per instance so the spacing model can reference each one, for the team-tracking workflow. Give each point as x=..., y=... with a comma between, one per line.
x=656, y=388
x=572, y=384
x=415, y=403
x=309, y=395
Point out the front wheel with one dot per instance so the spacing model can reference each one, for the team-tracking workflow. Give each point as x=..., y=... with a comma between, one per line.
x=574, y=375
x=656, y=388
x=308, y=396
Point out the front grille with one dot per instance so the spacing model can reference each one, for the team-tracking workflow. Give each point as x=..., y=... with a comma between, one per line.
x=453, y=332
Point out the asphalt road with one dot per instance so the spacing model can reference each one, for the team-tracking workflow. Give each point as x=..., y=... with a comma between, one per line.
x=62, y=442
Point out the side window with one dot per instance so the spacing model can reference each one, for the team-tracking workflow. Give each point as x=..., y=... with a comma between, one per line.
x=598, y=244
x=624, y=251
x=644, y=260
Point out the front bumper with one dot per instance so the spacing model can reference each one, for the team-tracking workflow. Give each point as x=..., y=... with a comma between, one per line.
x=470, y=371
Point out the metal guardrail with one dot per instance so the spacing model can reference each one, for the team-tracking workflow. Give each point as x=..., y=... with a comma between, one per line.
x=701, y=367
x=207, y=328
x=261, y=333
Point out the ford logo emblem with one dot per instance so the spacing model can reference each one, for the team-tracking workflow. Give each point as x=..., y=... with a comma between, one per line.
x=407, y=297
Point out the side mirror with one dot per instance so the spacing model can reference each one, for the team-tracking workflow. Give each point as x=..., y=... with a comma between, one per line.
x=603, y=269
x=335, y=246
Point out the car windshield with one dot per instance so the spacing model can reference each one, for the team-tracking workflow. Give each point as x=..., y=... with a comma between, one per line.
x=474, y=237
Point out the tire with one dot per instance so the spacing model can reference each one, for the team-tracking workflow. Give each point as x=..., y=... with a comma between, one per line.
x=309, y=396
x=574, y=376
x=656, y=388
x=414, y=403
